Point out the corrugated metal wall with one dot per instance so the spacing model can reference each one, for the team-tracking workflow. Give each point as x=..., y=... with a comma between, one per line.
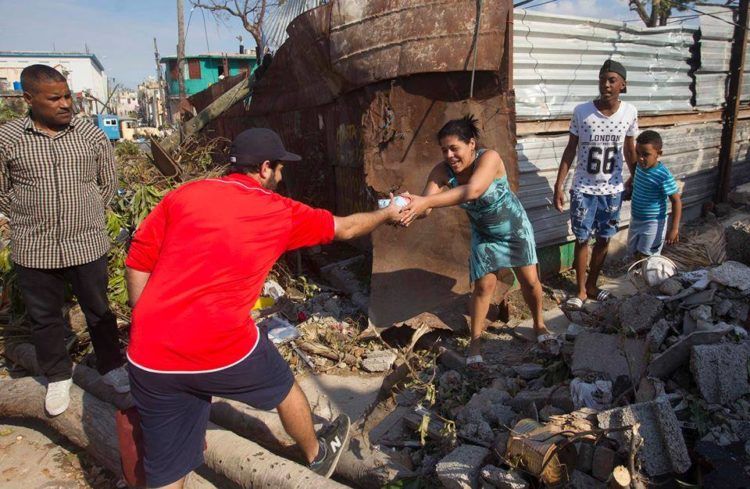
x=557, y=60
x=274, y=28
x=690, y=152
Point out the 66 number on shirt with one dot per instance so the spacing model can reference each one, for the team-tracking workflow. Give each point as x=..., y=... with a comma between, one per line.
x=598, y=156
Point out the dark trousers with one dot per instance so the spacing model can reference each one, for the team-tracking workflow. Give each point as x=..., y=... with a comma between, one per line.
x=43, y=292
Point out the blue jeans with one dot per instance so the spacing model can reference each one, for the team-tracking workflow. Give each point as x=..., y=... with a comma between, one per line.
x=594, y=214
x=646, y=237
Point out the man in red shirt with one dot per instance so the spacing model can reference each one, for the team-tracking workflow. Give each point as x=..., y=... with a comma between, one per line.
x=196, y=266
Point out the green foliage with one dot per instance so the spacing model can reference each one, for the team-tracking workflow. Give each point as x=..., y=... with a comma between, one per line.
x=7, y=113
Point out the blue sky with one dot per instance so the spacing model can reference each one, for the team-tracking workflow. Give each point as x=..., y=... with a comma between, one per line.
x=121, y=33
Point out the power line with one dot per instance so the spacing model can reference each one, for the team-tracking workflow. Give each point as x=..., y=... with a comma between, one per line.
x=524, y=2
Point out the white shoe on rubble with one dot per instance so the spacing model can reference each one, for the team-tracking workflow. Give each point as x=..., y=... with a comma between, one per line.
x=58, y=397
x=118, y=380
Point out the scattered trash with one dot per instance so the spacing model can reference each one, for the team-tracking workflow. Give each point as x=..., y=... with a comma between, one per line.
x=596, y=395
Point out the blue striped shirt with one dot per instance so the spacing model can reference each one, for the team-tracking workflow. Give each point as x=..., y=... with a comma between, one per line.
x=651, y=188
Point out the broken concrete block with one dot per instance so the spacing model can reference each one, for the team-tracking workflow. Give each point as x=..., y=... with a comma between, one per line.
x=558, y=397
x=677, y=355
x=585, y=455
x=581, y=480
x=502, y=416
x=720, y=371
x=657, y=335
x=732, y=274
x=460, y=468
x=603, y=463
x=379, y=361
x=663, y=448
x=741, y=429
x=737, y=237
x=610, y=355
x=723, y=308
x=450, y=380
x=573, y=331
x=503, y=479
x=740, y=195
x=484, y=432
x=649, y=389
x=500, y=445
x=528, y=371
x=698, y=298
x=671, y=287
x=689, y=324
x=704, y=312
x=637, y=313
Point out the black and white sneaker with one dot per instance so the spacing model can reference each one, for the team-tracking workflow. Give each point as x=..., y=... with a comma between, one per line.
x=333, y=440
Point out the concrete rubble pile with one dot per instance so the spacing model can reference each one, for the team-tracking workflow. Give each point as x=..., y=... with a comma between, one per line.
x=654, y=389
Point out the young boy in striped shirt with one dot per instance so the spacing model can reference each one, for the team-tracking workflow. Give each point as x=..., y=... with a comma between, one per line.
x=653, y=185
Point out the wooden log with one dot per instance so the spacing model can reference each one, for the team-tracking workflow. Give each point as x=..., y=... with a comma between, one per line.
x=24, y=354
x=89, y=423
x=250, y=465
x=360, y=464
x=620, y=478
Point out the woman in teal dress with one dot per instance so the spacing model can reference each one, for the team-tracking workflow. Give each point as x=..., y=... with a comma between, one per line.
x=501, y=234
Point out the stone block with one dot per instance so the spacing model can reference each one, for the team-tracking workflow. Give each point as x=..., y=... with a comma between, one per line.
x=379, y=361
x=677, y=355
x=657, y=335
x=732, y=274
x=460, y=468
x=670, y=287
x=603, y=463
x=528, y=371
x=738, y=242
x=580, y=480
x=585, y=456
x=663, y=448
x=503, y=479
x=639, y=312
x=558, y=397
x=720, y=371
x=610, y=355
x=703, y=312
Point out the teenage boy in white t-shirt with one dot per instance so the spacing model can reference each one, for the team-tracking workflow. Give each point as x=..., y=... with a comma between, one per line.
x=602, y=133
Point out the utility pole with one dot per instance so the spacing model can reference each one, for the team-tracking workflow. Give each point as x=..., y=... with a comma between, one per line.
x=181, y=48
x=162, y=93
x=728, y=150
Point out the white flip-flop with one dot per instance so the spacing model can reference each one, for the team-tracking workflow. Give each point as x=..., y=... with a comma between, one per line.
x=574, y=303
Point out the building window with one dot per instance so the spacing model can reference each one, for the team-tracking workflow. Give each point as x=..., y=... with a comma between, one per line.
x=194, y=69
x=110, y=122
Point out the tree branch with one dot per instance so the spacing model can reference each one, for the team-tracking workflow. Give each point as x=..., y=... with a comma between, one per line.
x=640, y=10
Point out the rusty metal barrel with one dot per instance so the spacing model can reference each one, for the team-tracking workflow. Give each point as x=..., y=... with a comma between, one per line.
x=541, y=452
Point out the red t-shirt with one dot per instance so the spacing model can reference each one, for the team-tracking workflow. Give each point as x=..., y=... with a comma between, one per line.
x=208, y=246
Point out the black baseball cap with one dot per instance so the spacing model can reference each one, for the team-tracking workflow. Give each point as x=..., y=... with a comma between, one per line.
x=613, y=66
x=254, y=146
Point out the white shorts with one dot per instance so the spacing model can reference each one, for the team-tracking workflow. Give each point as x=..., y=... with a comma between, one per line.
x=646, y=237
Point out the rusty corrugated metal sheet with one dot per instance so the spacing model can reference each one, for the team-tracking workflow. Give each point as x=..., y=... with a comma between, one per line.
x=348, y=44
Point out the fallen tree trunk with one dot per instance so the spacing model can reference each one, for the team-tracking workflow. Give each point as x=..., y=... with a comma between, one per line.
x=89, y=423
x=360, y=463
x=24, y=354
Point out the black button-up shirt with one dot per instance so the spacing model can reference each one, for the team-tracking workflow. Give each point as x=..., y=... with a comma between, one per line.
x=55, y=190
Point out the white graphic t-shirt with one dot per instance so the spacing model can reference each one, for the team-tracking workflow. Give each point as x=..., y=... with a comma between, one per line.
x=601, y=140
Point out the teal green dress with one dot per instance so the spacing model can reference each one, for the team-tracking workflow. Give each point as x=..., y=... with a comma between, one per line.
x=501, y=234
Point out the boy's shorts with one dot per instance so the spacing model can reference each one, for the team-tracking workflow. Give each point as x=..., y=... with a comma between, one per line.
x=594, y=214
x=646, y=237
x=174, y=408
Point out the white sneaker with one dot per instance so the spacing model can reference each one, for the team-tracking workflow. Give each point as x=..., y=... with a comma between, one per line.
x=118, y=380
x=58, y=397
